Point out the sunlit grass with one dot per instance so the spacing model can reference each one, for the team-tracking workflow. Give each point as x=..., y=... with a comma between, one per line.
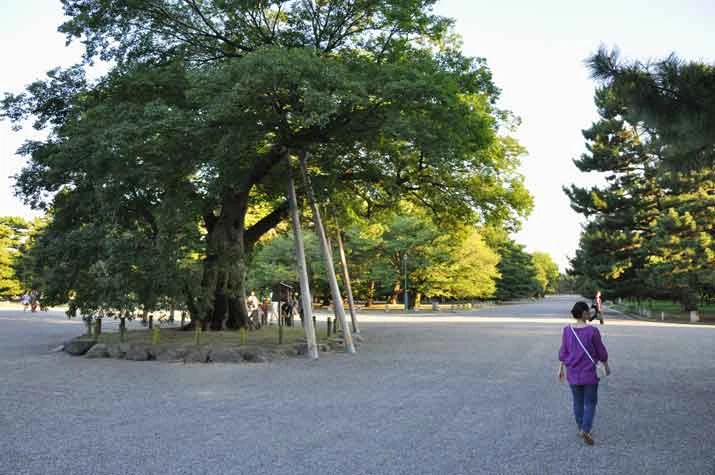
x=671, y=311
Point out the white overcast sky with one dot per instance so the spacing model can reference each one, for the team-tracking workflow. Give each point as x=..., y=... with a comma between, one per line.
x=535, y=49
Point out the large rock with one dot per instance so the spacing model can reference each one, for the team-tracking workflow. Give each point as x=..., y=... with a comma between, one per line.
x=339, y=341
x=226, y=355
x=290, y=351
x=255, y=356
x=301, y=349
x=97, y=351
x=155, y=351
x=172, y=354
x=78, y=346
x=197, y=355
x=359, y=338
x=137, y=353
x=114, y=351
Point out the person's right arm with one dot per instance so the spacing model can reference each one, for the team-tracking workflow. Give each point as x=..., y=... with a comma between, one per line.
x=601, y=352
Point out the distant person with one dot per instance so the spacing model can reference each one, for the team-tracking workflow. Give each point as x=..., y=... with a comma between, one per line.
x=34, y=300
x=597, y=308
x=71, y=305
x=580, y=369
x=252, y=302
x=264, y=310
x=25, y=301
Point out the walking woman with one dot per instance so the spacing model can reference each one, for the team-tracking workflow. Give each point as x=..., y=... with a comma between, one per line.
x=577, y=339
x=597, y=308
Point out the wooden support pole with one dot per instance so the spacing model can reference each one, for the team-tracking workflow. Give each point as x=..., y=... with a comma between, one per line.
x=346, y=279
x=305, y=298
x=327, y=257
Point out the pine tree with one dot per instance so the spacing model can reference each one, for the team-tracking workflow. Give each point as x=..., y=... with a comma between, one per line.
x=650, y=229
x=517, y=273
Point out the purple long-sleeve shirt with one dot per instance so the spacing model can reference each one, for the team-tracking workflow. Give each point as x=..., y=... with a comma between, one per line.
x=579, y=368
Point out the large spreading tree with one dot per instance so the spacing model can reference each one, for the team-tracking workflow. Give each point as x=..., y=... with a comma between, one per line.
x=152, y=171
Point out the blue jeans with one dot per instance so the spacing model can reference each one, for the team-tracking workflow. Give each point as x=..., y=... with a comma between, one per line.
x=585, y=398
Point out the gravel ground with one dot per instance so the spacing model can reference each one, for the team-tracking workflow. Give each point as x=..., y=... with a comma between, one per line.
x=450, y=396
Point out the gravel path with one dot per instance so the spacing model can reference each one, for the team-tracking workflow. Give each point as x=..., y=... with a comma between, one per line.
x=451, y=396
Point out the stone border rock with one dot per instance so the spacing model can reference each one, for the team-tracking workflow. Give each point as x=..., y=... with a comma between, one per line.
x=78, y=346
x=193, y=354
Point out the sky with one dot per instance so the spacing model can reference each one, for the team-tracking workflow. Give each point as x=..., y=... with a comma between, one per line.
x=535, y=49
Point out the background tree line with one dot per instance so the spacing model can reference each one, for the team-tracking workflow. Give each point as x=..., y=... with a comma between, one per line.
x=17, y=237
x=463, y=264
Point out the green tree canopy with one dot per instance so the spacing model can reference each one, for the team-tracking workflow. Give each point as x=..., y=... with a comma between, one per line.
x=209, y=102
x=649, y=232
x=672, y=98
x=547, y=273
x=457, y=264
x=518, y=277
x=15, y=232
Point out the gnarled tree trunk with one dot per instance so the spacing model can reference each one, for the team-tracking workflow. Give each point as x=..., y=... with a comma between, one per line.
x=222, y=300
x=224, y=268
x=237, y=309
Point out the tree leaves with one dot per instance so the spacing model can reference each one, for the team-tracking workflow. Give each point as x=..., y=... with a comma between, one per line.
x=191, y=130
x=651, y=226
x=518, y=275
x=674, y=97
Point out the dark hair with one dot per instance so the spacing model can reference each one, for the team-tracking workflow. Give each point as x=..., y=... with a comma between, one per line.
x=578, y=309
